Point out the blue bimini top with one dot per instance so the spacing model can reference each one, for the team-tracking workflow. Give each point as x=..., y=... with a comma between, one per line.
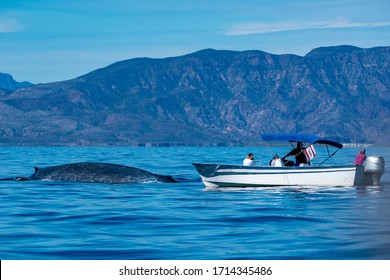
x=305, y=138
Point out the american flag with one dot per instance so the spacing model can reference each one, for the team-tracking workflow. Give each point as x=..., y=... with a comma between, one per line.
x=310, y=153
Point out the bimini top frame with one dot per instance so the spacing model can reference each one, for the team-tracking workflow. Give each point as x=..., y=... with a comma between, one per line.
x=306, y=139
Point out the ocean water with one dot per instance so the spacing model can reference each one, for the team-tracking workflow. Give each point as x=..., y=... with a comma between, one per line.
x=184, y=221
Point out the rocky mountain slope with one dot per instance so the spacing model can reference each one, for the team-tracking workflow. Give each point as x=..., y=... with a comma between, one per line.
x=209, y=97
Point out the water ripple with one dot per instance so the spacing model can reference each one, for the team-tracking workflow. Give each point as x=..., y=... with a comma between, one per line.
x=50, y=220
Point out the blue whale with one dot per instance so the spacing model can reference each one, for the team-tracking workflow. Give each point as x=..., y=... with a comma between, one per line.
x=93, y=172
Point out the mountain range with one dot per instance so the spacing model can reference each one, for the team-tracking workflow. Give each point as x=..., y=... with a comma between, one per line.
x=210, y=97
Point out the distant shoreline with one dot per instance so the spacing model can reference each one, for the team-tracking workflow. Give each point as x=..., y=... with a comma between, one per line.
x=177, y=145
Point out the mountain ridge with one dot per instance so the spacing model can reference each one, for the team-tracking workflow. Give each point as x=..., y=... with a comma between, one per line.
x=8, y=83
x=209, y=97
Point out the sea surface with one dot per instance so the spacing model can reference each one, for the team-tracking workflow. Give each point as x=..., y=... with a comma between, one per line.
x=184, y=221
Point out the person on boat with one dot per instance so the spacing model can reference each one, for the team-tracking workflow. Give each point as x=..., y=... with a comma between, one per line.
x=360, y=157
x=299, y=155
x=275, y=162
x=249, y=160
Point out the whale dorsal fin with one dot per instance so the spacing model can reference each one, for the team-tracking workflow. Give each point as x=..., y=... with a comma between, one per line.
x=36, y=168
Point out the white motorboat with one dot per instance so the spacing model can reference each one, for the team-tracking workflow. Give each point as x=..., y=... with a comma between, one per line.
x=219, y=175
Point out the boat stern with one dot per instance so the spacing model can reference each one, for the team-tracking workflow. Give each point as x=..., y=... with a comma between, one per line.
x=360, y=177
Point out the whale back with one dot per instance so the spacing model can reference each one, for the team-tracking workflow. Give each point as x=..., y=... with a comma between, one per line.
x=98, y=173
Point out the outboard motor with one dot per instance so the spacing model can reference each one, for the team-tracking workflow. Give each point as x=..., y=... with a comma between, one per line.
x=374, y=167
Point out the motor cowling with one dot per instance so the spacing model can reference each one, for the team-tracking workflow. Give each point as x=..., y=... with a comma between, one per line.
x=374, y=167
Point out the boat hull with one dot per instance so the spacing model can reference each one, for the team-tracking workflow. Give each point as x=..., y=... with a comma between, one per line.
x=216, y=176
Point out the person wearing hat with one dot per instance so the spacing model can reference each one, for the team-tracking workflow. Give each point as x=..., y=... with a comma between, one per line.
x=276, y=162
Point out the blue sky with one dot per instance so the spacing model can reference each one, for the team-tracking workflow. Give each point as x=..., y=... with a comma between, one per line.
x=54, y=40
